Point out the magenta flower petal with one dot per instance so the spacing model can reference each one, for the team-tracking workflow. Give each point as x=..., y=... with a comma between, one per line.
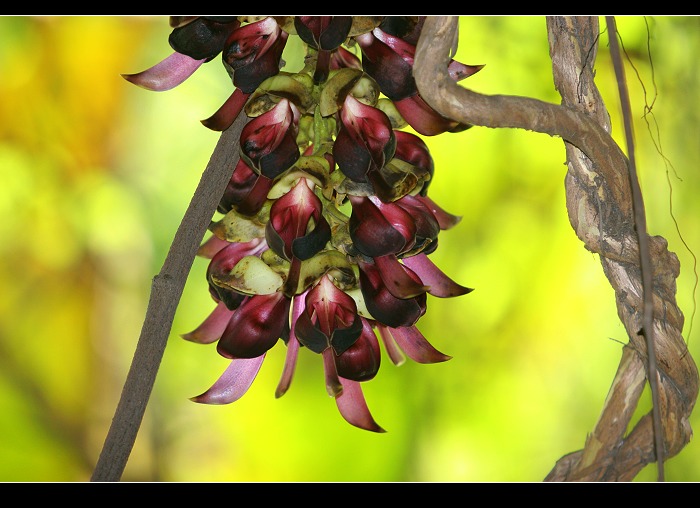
x=438, y=283
x=416, y=346
x=166, y=74
x=212, y=327
x=233, y=383
x=352, y=406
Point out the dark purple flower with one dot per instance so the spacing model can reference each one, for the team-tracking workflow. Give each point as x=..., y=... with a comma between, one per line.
x=246, y=192
x=324, y=34
x=389, y=60
x=255, y=326
x=252, y=53
x=408, y=172
x=329, y=320
x=383, y=305
x=297, y=227
x=268, y=142
x=221, y=265
x=365, y=141
x=202, y=37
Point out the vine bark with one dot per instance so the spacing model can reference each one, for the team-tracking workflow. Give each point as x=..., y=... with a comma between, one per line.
x=601, y=212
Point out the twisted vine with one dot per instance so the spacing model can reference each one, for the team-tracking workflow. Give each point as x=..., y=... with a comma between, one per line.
x=601, y=212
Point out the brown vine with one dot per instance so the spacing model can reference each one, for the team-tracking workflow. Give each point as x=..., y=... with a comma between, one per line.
x=600, y=208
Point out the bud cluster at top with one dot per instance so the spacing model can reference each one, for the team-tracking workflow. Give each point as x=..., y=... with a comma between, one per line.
x=326, y=226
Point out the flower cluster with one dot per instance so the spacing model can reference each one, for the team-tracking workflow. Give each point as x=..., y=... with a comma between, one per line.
x=326, y=225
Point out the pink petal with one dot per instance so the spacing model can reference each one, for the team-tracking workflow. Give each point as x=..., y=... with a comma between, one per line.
x=166, y=74
x=397, y=280
x=392, y=348
x=233, y=383
x=352, y=406
x=334, y=386
x=292, y=348
x=416, y=347
x=212, y=327
x=440, y=285
x=211, y=246
x=445, y=219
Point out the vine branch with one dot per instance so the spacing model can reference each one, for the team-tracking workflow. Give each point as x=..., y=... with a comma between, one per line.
x=641, y=228
x=166, y=290
x=600, y=206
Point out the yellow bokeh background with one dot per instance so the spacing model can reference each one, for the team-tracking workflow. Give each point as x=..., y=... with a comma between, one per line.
x=97, y=174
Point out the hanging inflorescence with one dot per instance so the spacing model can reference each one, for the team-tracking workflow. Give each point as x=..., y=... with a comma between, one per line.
x=326, y=225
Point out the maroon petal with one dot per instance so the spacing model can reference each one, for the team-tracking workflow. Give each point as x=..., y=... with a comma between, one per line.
x=250, y=42
x=424, y=119
x=290, y=231
x=365, y=141
x=352, y=406
x=385, y=307
x=166, y=74
x=333, y=385
x=211, y=246
x=412, y=149
x=396, y=278
x=221, y=265
x=246, y=192
x=361, y=361
x=407, y=28
x=342, y=59
x=255, y=327
x=396, y=355
x=253, y=52
x=329, y=319
x=212, y=327
x=268, y=142
x=228, y=112
x=388, y=68
x=439, y=284
x=202, y=37
x=445, y=220
x=233, y=383
x=415, y=345
x=323, y=32
x=378, y=229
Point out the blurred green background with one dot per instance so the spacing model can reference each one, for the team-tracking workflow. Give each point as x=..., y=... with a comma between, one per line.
x=97, y=174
